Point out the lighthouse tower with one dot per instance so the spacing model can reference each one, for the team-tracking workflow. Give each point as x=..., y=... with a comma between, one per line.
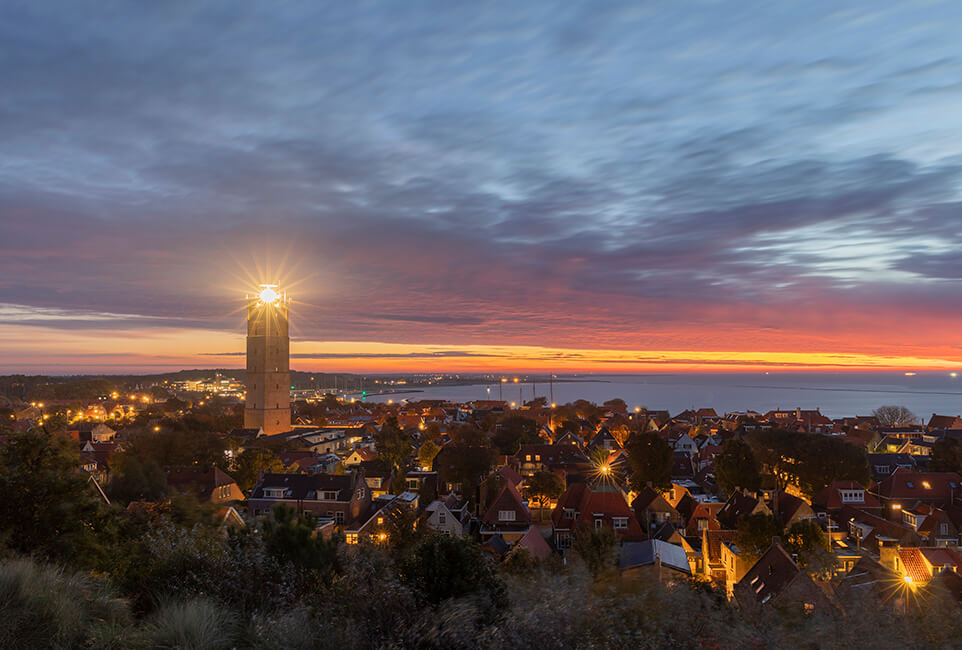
x=268, y=403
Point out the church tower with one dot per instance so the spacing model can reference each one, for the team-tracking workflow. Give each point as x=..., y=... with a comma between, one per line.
x=268, y=403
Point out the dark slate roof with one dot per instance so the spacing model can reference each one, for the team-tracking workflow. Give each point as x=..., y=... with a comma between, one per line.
x=553, y=454
x=196, y=480
x=774, y=571
x=739, y=505
x=637, y=554
x=306, y=486
x=497, y=544
x=248, y=433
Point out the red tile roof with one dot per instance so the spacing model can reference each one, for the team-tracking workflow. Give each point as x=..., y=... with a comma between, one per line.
x=715, y=539
x=921, y=562
x=508, y=499
x=535, y=544
x=587, y=503
x=831, y=499
x=906, y=484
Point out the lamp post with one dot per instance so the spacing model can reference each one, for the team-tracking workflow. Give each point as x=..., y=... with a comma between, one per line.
x=905, y=594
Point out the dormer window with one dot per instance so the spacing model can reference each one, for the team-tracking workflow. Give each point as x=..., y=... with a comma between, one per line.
x=274, y=493
x=852, y=496
x=329, y=495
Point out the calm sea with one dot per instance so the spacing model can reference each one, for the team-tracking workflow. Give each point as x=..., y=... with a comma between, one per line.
x=837, y=394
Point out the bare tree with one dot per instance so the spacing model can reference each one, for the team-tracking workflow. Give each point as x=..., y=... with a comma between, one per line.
x=895, y=416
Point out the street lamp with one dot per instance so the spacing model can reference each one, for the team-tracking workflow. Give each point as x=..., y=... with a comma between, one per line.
x=909, y=586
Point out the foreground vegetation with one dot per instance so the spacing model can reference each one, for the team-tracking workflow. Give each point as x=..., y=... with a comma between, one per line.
x=77, y=573
x=204, y=595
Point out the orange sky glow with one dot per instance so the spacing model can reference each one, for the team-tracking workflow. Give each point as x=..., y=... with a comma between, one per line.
x=53, y=351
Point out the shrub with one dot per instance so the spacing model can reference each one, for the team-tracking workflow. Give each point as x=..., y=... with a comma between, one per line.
x=199, y=623
x=45, y=607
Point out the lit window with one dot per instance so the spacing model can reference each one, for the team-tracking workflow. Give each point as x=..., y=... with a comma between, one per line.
x=926, y=485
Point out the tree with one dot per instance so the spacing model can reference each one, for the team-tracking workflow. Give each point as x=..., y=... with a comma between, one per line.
x=946, y=456
x=808, y=542
x=617, y=405
x=399, y=483
x=254, y=461
x=595, y=546
x=426, y=453
x=294, y=539
x=405, y=529
x=393, y=444
x=431, y=432
x=513, y=431
x=134, y=479
x=895, y=416
x=48, y=505
x=810, y=462
x=442, y=567
x=755, y=533
x=650, y=458
x=180, y=443
x=465, y=465
x=587, y=411
x=736, y=467
x=544, y=486
x=468, y=435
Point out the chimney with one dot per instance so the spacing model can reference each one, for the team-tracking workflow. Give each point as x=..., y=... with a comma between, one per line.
x=889, y=557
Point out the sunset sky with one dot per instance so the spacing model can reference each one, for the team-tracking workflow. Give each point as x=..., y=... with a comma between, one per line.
x=474, y=186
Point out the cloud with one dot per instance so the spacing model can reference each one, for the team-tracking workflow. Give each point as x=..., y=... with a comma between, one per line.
x=614, y=177
x=444, y=354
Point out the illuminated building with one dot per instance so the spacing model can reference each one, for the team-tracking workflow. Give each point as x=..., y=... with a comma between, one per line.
x=268, y=402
